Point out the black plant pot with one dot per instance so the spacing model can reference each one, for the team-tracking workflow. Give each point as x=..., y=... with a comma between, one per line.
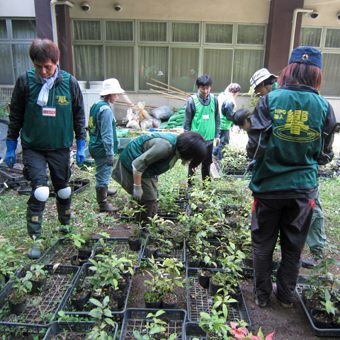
x=169, y=305
x=79, y=304
x=203, y=280
x=193, y=263
x=134, y=244
x=18, y=308
x=82, y=252
x=38, y=286
x=213, y=288
x=157, y=303
x=150, y=251
x=321, y=318
x=77, y=260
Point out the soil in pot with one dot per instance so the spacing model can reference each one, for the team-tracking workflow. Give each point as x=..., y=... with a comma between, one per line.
x=134, y=243
x=321, y=318
x=80, y=299
x=193, y=263
x=214, y=285
x=16, y=303
x=38, y=286
x=204, y=276
x=153, y=299
x=170, y=301
x=120, y=296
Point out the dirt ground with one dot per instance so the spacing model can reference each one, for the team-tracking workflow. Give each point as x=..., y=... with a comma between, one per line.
x=288, y=324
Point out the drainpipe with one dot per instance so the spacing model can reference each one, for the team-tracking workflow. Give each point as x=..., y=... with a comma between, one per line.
x=53, y=3
x=292, y=33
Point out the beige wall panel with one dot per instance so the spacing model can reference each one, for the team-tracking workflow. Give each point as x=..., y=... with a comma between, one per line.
x=254, y=11
x=17, y=8
x=327, y=13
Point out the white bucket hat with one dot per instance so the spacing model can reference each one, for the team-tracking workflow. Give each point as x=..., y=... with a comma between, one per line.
x=111, y=86
x=259, y=76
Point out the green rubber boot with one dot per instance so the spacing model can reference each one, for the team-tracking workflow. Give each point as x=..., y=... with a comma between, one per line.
x=64, y=217
x=34, y=220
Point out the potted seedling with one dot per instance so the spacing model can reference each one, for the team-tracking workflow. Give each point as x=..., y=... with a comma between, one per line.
x=18, y=297
x=6, y=258
x=155, y=329
x=135, y=241
x=103, y=315
x=172, y=279
x=39, y=278
x=215, y=324
x=78, y=241
x=153, y=297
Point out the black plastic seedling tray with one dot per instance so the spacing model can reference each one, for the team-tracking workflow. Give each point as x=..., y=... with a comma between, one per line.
x=200, y=300
x=63, y=249
x=194, y=331
x=120, y=246
x=78, y=282
x=41, y=308
x=329, y=332
x=135, y=319
x=79, y=329
x=178, y=254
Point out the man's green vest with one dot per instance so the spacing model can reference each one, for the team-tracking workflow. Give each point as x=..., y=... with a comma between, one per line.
x=226, y=124
x=290, y=159
x=48, y=132
x=206, y=127
x=96, y=147
x=135, y=148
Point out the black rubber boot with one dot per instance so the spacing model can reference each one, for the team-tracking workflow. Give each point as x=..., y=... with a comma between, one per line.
x=64, y=217
x=102, y=201
x=34, y=220
x=111, y=192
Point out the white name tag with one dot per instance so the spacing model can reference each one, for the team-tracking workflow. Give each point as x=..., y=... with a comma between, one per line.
x=49, y=111
x=205, y=116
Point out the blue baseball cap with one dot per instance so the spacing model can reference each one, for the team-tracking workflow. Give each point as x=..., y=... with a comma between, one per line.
x=306, y=55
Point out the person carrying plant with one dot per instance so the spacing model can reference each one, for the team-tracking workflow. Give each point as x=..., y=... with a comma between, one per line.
x=291, y=132
x=263, y=82
x=202, y=115
x=147, y=157
x=47, y=106
x=226, y=107
x=103, y=140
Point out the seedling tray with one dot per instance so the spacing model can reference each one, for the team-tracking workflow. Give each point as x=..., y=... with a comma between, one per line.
x=79, y=281
x=317, y=331
x=10, y=174
x=135, y=319
x=63, y=249
x=120, y=246
x=178, y=254
x=80, y=329
x=42, y=308
x=194, y=331
x=199, y=300
x=172, y=215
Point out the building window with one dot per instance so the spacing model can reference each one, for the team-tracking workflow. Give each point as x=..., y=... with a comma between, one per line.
x=173, y=52
x=327, y=40
x=15, y=39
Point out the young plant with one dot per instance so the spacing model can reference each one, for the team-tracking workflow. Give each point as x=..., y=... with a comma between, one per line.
x=38, y=272
x=172, y=272
x=20, y=288
x=153, y=328
x=215, y=324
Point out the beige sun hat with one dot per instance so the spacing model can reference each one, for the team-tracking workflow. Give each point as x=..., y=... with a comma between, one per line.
x=259, y=76
x=111, y=86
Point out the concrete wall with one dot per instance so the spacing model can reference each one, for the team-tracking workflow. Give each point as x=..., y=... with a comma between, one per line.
x=17, y=8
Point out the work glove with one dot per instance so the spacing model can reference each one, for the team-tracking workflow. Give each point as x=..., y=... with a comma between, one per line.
x=216, y=141
x=109, y=160
x=80, y=157
x=10, y=153
x=137, y=192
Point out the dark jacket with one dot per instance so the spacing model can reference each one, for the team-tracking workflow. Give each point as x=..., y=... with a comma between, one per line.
x=20, y=99
x=297, y=125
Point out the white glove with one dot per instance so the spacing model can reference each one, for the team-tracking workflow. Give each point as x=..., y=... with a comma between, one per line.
x=137, y=192
x=216, y=141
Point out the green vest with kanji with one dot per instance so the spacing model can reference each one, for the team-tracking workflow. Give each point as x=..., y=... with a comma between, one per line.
x=135, y=148
x=226, y=124
x=96, y=147
x=290, y=159
x=48, y=130
x=204, y=119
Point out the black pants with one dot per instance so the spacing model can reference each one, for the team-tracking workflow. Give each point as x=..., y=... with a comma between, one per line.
x=292, y=218
x=205, y=165
x=35, y=163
